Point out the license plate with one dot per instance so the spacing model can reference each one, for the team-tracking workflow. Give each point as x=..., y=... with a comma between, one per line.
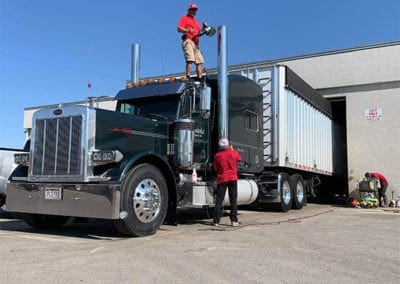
x=52, y=193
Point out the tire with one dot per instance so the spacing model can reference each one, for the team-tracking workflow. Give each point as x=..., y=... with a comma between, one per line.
x=39, y=221
x=285, y=193
x=298, y=191
x=145, y=200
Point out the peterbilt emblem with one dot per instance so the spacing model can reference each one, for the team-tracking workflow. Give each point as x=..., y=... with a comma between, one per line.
x=57, y=111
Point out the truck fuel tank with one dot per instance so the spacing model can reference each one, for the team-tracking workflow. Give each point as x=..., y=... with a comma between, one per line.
x=203, y=193
x=183, y=143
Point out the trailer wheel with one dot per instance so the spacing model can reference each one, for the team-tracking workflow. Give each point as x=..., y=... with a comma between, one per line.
x=145, y=201
x=285, y=193
x=298, y=193
x=39, y=221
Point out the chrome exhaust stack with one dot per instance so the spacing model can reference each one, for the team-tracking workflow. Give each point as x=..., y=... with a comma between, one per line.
x=222, y=83
x=135, y=62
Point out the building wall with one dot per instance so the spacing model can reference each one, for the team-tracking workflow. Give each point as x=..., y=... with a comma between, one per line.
x=374, y=145
x=362, y=66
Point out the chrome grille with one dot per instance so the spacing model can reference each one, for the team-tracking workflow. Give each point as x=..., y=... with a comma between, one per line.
x=58, y=146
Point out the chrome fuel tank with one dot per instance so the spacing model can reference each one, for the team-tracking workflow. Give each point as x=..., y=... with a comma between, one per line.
x=183, y=143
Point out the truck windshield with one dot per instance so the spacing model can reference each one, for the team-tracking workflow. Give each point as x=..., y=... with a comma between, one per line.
x=148, y=107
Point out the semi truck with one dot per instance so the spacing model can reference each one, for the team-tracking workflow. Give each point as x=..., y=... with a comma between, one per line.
x=7, y=165
x=134, y=165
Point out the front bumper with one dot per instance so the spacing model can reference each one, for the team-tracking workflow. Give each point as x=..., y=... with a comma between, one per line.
x=77, y=200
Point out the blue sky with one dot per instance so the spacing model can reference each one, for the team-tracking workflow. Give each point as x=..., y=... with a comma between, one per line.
x=50, y=49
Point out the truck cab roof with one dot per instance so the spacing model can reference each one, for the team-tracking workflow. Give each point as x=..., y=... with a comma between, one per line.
x=151, y=90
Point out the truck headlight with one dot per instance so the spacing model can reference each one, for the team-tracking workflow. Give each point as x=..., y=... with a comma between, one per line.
x=101, y=157
x=21, y=159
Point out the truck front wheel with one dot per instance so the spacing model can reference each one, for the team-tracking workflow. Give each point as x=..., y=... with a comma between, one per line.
x=144, y=201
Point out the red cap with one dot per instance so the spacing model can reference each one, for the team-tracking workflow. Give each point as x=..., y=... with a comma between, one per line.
x=193, y=6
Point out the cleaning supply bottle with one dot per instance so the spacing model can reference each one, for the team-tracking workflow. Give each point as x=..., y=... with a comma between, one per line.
x=194, y=175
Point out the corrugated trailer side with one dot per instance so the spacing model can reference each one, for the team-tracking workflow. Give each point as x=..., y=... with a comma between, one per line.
x=298, y=131
x=304, y=126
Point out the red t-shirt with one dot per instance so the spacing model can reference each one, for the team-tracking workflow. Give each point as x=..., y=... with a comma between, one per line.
x=187, y=22
x=225, y=164
x=382, y=179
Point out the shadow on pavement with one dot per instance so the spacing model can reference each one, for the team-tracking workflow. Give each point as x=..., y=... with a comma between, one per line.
x=96, y=228
x=75, y=227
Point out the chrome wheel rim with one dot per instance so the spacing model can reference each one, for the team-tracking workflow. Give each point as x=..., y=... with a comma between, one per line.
x=147, y=200
x=286, y=192
x=300, y=192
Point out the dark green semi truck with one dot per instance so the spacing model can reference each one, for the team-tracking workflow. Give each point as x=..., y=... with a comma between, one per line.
x=134, y=165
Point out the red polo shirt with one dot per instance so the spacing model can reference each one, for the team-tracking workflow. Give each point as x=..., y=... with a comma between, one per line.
x=225, y=164
x=382, y=179
x=187, y=22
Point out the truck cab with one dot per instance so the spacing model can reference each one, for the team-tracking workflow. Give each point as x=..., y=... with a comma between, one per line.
x=179, y=101
x=134, y=164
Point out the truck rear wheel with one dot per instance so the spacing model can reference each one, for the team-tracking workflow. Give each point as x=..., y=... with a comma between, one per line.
x=298, y=193
x=285, y=193
x=144, y=201
x=39, y=221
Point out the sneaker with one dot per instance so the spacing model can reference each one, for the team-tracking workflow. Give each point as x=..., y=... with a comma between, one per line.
x=214, y=224
x=235, y=224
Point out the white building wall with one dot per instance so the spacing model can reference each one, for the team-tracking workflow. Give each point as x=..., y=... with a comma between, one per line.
x=374, y=145
x=350, y=68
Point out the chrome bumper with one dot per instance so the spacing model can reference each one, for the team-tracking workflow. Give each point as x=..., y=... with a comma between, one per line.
x=77, y=200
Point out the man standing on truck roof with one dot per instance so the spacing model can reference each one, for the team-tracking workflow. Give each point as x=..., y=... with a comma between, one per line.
x=225, y=165
x=383, y=187
x=190, y=28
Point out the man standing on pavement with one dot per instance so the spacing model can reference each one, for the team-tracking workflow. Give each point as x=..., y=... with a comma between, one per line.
x=190, y=28
x=225, y=165
x=382, y=189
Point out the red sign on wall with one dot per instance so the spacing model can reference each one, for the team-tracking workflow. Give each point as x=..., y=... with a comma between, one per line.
x=373, y=113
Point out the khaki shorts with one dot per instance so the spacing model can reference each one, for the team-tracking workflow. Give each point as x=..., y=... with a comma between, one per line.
x=191, y=52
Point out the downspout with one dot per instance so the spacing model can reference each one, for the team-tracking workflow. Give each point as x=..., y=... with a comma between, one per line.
x=222, y=83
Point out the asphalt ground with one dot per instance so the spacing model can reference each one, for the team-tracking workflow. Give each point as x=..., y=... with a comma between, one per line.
x=319, y=244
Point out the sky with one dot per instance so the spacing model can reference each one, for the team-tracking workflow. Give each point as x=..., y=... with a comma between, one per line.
x=51, y=49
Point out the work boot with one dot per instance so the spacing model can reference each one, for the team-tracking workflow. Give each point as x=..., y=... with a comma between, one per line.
x=201, y=79
x=235, y=224
x=385, y=200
